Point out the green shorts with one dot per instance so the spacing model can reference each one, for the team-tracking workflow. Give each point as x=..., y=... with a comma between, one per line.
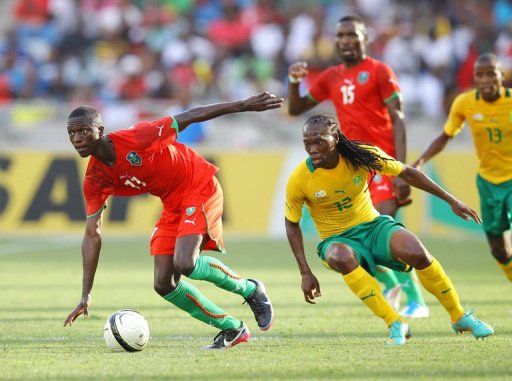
x=496, y=205
x=370, y=242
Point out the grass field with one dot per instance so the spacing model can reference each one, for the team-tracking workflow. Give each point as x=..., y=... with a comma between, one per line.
x=338, y=338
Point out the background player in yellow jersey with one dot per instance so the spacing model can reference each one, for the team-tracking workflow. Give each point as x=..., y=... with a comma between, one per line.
x=487, y=109
x=355, y=237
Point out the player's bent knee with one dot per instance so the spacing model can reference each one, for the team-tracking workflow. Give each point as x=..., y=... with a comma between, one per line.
x=500, y=254
x=163, y=289
x=184, y=264
x=340, y=257
x=418, y=258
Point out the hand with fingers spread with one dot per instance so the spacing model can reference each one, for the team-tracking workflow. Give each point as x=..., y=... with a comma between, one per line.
x=81, y=308
x=261, y=102
x=310, y=288
x=297, y=71
x=464, y=211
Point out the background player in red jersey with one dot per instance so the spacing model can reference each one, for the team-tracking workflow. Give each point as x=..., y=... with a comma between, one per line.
x=147, y=159
x=366, y=96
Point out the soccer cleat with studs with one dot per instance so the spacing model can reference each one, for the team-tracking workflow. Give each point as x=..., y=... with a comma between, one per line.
x=469, y=323
x=261, y=306
x=398, y=333
x=229, y=338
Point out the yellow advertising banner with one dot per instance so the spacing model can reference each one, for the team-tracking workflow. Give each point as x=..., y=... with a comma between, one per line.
x=42, y=193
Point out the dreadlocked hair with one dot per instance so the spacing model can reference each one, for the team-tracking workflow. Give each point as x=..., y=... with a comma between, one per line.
x=358, y=154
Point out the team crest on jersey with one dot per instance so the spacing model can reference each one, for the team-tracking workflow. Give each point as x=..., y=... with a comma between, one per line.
x=357, y=180
x=479, y=117
x=134, y=159
x=190, y=210
x=377, y=179
x=363, y=77
x=321, y=194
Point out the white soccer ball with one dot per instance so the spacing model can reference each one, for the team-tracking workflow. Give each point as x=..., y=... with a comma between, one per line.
x=126, y=330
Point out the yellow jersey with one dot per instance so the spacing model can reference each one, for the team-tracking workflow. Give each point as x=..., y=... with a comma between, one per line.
x=338, y=199
x=491, y=127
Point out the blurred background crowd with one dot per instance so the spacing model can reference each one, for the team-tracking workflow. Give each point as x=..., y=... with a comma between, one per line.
x=106, y=52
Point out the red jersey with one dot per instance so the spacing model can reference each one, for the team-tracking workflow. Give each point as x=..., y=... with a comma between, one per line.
x=359, y=94
x=148, y=160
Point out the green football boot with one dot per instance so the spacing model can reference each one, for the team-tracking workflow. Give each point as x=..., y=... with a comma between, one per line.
x=468, y=322
x=398, y=333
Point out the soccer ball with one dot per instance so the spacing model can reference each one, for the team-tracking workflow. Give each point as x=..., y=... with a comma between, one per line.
x=126, y=329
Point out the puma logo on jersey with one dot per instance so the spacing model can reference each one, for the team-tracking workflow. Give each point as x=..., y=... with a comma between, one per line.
x=321, y=194
x=193, y=222
x=160, y=128
x=478, y=117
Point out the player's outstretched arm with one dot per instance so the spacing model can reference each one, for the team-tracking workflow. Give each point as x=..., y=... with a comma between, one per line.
x=91, y=246
x=433, y=149
x=419, y=180
x=297, y=104
x=261, y=102
x=310, y=285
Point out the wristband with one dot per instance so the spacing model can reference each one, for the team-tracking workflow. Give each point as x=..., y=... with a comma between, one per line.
x=294, y=80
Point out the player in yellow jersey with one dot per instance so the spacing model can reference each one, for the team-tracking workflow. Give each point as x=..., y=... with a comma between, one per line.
x=355, y=237
x=487, y=110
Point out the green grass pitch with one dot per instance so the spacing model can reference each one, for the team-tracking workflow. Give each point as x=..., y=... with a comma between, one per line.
x=338, y=338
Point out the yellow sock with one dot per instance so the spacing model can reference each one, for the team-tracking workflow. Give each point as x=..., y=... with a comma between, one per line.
x=368, y=290
x=507, y=269
x=435, y=280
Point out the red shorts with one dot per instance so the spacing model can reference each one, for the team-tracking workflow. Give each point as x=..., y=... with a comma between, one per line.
x=199, y=213
x=381, y=189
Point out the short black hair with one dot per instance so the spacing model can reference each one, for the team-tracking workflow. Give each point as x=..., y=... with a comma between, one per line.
x=487, y=58
x=355, y=19
x=90, y=113
x=352, y=18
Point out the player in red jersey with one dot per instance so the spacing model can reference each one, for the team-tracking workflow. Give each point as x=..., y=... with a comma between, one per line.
x=147, y=159
x=367, y=99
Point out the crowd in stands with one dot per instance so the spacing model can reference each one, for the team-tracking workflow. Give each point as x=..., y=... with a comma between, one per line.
x=114, y=50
